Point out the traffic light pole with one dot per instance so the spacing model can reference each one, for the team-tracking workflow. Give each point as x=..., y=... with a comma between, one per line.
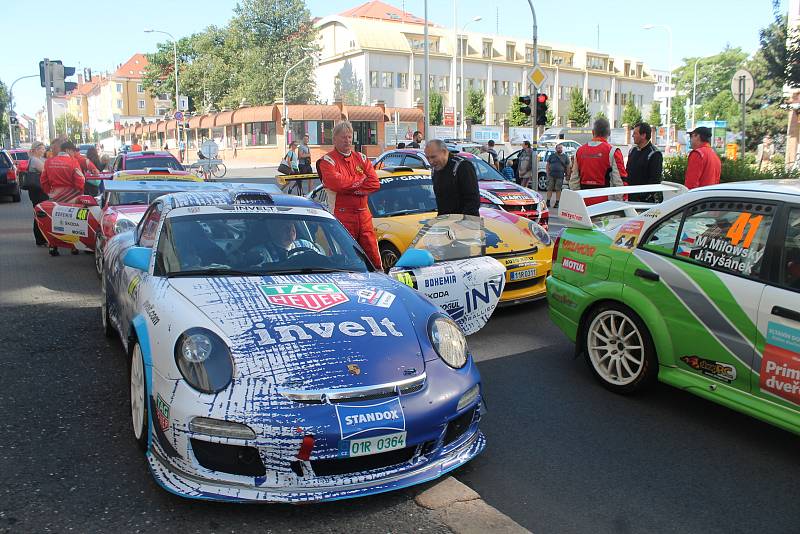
x=48, y=91
x=535, y=155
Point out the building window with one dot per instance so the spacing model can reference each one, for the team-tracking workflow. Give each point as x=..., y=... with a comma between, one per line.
x=504, y=88
x=373, y=78
x=444, y=84
x=319, y=132
x=529, y=55
x=607, y=97
x=402, y=80
x=544, y=57
x=611, y=65
x=417, y=43
x=511, y=51
x=483, y=86
x=463, y=46
x=495, y=87
x=431, y=82
x=516, y=88
x=365, y=133
x=140, y=88
x=487, y=49
x=596, y=63
x=140, y=104
x=387, y=79
x=119, y=104
x=260, y=133
x=119, y=87
x=233, y=136
x=418, y=82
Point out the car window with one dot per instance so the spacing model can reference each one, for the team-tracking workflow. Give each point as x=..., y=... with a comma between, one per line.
x=391, y=160
x=149, y=226
x=414, y=162
x=485, y=171
x=662, y=240
x=136, y=164
x=5, y=161
x=790, y=264
x=19, y=156
x=727, y=236
x=402, y=195
x=321, y=196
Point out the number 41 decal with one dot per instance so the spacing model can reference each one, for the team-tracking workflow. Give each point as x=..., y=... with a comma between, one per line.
x=736, y=232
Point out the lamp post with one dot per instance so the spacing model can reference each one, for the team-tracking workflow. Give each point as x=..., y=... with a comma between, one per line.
x=11, y=108
x=669, y=68
x=175, y=52
x=425, y=82
x=694, y=89
x=461, y=76
x=285, y=107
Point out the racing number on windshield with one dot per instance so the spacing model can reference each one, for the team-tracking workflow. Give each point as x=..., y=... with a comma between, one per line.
x=736, y=231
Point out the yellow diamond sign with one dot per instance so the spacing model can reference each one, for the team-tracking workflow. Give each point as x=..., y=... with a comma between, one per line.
x=537, y=76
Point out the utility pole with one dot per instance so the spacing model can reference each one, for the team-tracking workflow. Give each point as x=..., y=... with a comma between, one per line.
x=49, y=98
x=425, y=81
x=743, y=100
x=535, y=158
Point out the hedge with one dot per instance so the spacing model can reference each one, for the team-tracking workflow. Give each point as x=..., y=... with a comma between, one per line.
x=732, y=171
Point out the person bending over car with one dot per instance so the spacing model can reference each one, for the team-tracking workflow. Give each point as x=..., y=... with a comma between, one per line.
x=455, y=183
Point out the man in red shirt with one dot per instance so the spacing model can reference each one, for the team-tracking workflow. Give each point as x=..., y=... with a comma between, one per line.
x=135, y=146
x=62, y=179
x=348, y=178
x=704, y=166
x=87, y=167
x=597, y=163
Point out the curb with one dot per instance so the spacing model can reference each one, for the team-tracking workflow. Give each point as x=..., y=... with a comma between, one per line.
x=462, y=510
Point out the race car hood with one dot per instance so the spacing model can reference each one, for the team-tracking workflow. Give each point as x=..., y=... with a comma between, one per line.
x=508, y=193
x=310, y=332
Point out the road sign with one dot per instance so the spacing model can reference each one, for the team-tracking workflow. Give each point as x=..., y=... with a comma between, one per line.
x=537, y=76
x=449, y=116
x=178, y=115
x=748, y=86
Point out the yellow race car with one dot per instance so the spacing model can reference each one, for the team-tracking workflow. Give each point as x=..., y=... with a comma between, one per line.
x=406, y=201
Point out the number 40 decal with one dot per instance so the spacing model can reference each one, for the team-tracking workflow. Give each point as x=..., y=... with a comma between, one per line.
x=736, y=232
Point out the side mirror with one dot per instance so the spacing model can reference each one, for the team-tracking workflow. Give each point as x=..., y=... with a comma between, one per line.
x=415, y=258
x=87, y=200
x=138, y=258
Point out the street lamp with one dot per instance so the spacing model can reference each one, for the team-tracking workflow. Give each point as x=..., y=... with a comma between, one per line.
x=461, y=76
x=669, y=68
x=10, y=109
x=694, y=89
x=285, y=107
x=175, y=52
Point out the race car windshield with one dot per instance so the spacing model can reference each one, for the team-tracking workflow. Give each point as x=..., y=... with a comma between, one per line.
x=402, y=195
x=19, y=156
x=255, y=244
x=132, y=198
x=138, y=164
x=486, y=171
x=452, y=237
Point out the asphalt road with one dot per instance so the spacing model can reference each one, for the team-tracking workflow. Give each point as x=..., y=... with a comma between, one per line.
x=564, y=455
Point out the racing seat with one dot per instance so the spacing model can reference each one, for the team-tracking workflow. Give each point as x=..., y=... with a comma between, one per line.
x=195, y=246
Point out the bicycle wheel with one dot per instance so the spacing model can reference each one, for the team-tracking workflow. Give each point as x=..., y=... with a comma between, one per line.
x=219, y=170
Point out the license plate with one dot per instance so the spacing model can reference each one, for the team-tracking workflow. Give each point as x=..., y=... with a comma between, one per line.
x=376, y=445
x=523, y=274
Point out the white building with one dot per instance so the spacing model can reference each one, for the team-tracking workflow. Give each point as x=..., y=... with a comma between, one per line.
x=376, y=51
x=665, y=91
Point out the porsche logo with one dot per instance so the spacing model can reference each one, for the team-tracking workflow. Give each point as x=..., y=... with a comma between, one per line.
x=353, y=369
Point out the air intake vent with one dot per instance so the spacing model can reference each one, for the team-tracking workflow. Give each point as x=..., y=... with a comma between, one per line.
x=254, y=198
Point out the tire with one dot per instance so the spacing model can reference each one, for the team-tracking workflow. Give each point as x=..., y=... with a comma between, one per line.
x=619, y=349
x=16, y=198
x=389, y=255
x=219, y=170
x=541, y=183
x=98, y=258
x=105, y=318
x=138, y=390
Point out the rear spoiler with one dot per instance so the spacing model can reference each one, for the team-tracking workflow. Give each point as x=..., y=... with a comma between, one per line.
x=573, y=209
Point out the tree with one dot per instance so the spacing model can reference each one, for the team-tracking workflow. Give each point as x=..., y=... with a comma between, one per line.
x=4, y=103
x=68, y=126
x=721, y=108
x=347, y=86
x=436, y=108
x=714, y=73
x=630, y=113
x=476, y=106
x=655, y=113
x=515, y=116
x=781, y=49
x=600, y=115
x=678, y=111
x=549, y=118
x=578, y=108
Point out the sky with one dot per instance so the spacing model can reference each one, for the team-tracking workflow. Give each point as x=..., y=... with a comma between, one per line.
x=101, y=34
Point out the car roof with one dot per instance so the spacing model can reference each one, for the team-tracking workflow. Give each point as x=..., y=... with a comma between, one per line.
x=256, y=195
x=148, y=154
x=784, y=187
x=131, y=186
x=401, y=171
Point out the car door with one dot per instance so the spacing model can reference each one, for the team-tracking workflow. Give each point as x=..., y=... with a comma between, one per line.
x=777, y=375
x=703, y=270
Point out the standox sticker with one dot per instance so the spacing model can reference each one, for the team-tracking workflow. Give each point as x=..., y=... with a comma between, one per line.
x=578, y=248
x=573, y=265
x=355, y=420
x=162, y=413
x=375, y=297
x=311, y=297
x=714, y=369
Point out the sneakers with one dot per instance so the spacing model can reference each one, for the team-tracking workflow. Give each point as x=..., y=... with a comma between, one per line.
x=555, y=206
x=54, y=251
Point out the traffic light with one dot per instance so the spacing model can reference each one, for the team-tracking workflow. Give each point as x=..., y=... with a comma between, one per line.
x=13, y=120
x=541, y=109
x=526, y=104
x=57, y=74
x=87, y=75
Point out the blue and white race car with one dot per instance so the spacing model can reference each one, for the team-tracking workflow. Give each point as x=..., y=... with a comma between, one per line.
x=270, y=362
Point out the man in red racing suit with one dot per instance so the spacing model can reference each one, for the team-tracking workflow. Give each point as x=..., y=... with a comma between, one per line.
x=62, y=179
x=597, y=163
x=348, y=178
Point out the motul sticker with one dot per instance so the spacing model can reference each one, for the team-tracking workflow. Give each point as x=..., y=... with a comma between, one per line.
x=573, y=265
x=311, y=297
x=162, y=413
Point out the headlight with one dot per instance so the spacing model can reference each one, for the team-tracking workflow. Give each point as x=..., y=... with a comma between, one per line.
x=539, y=233
x=123, y=225
x=448, y=341
x=204, y=360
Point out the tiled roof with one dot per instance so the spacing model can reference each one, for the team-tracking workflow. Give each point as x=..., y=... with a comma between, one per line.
x=133, y=68
x=378, y=10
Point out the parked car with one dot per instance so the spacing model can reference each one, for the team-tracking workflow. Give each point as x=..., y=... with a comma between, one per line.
x=83, y=148
x=20, y=157
x=9, y=183
x=161, y=159
x=542, y=153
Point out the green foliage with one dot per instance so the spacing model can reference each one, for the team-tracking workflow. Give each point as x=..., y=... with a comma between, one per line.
x=549, y=118
x=4, y=103
x=630, y=113
x=732, y=171
x=578, y=108
x=69, y=126
x=781, y=51
x=678, y=111
x=515, y=116
x=723, y=108
x=348, y=87
x=476, y=106
x=600, y=115
x=436, y=108
x=655, y=113
x=714, y=73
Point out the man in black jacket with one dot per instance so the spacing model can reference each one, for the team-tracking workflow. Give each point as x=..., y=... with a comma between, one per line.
x=455, y=183
x=645, y=162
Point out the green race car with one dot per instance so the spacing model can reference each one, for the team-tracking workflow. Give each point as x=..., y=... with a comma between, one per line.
x=701, y=292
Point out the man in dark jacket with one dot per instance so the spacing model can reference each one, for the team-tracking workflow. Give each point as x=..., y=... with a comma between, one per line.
x=645, y=162
x=455, y=183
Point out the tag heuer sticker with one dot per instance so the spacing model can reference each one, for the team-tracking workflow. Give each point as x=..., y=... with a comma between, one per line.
x=311, y=297
x=162, y=413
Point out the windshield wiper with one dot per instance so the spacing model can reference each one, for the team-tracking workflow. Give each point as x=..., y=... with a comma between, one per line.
x=214, y=271
x=407, y=212
x=308, y=270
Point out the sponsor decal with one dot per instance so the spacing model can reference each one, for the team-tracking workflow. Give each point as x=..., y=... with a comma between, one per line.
x=520, y=261
x=193, y=209
x=311, y=297
x=406, y=277
x=271, y=209
x=719, y=370
x=571, y=216
x=151, y=312
x=355, y=420
x=375, y=297
x=562, y=298
x=578, y=248
x=133, y=286
x=290, y=333
x=70, y=221
x=483, y=294
x=780, y=363
x=353, y=369
x=652, y=214
x=438, y=294
x=573, y=265
x=628, y=236
x=512, y=196
x=162, y=413
x=359, y=169
x=441, y=281
x=719, y=252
